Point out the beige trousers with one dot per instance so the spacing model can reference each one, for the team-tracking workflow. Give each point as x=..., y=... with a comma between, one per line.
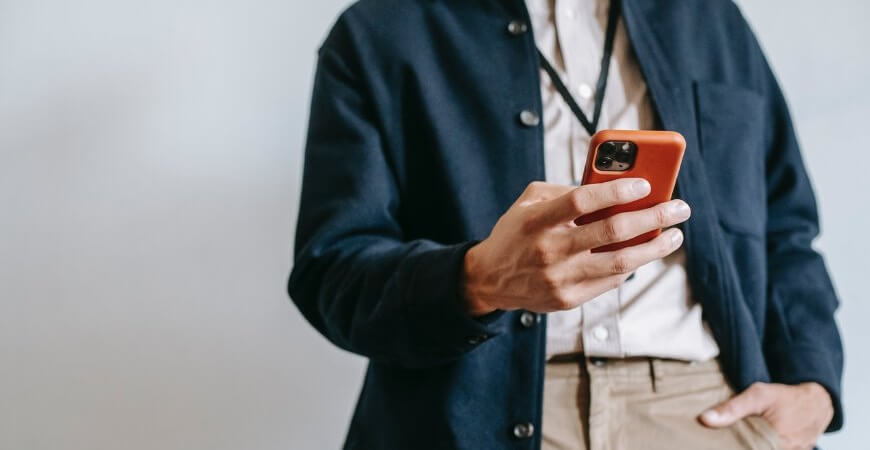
x=641, y=404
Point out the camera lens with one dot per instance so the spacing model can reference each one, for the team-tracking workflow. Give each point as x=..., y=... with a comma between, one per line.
x=604, y=162
x=623, y=155
x=607, y=149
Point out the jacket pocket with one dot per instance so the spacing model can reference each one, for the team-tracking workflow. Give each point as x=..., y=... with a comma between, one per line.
x=731, y=124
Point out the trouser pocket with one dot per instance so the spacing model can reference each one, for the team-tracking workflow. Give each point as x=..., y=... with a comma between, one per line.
x=769, y=438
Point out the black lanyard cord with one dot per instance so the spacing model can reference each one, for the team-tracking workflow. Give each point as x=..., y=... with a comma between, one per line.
x=610, y=34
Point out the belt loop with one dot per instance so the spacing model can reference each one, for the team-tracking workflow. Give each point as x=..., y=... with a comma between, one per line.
x=652, y=373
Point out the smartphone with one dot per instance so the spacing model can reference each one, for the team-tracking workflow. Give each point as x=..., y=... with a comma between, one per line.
x=653, y=155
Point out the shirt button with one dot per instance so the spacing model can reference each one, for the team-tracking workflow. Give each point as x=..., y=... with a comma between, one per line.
x=529, y=118
x=569, y=12
x=517, y=27
x=528, y=319
x=600, y=333
x=474, y=340
x=584, y=91
x=524, y=430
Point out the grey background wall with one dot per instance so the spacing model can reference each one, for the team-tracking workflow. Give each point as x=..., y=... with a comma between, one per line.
x=149, y=174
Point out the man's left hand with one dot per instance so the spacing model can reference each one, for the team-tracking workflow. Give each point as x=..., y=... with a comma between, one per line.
x=799, y=413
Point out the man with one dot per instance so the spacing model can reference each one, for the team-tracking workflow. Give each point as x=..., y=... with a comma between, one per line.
x=436, y=232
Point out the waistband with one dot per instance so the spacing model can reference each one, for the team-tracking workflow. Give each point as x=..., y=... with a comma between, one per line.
x=637, y=366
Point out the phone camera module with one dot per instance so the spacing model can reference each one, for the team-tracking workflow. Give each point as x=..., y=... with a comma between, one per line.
x=615, y=156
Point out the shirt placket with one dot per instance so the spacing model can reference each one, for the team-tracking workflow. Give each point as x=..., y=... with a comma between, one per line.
x=600, y=316
x=567, y=22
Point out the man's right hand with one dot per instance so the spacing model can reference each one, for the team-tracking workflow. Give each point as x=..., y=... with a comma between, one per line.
x=536, y=258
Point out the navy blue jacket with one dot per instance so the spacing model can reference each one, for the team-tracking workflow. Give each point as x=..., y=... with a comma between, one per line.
x=415, y=149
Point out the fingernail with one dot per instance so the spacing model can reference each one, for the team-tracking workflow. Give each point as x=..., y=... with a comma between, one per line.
x=640, y=187
x=711, y=415
x=676, y=238
x=679, y=210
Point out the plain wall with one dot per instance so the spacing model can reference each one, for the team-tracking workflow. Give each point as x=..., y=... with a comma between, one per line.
x=150, y=161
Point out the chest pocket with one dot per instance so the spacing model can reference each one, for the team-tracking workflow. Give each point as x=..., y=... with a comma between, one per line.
x=731, y=124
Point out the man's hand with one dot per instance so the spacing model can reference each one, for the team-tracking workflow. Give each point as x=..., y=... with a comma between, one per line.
x=537, y=258
x=798, y=413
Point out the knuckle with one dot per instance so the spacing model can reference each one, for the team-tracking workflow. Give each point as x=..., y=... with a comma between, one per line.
x=528, y=224
x=620, y=191
x=580, y=197
x=757, y=388
x=621, y=263
x=550, y=281
x=665, y=246
x=532, y=190
x=543, y=254
x=614, y=229
x=760, y=391
x=729, y=409
x=534, y=186
x=562, y=301
x=661, y=217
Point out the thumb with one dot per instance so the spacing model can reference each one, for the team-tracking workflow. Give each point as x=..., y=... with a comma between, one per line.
x=752, y=401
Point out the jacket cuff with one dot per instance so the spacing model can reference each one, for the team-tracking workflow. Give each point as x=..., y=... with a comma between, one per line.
x=437, y=307
x=798, y=364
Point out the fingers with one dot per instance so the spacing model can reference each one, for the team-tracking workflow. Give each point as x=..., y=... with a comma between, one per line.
x=590, y=198
x=627, y=260
x=624, y=226
x=538, y=191
x=753, y=401
x=574, y=295
x=578, y=294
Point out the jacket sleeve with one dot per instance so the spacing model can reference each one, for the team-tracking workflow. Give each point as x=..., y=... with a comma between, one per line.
x=355, y=278
x=802, y=342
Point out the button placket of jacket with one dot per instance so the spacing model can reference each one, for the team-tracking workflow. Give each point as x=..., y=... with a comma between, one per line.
x=524, y=430
x=529, y=319
x=529, y=118
x=517, y=27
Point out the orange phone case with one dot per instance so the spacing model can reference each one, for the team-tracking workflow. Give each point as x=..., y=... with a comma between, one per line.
x=658, y=158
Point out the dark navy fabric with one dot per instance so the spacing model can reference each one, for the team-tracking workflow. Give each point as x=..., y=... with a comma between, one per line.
x=415, y=149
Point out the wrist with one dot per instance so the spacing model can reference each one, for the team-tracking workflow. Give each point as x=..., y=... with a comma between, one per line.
x=818, y=391
x=470, y=284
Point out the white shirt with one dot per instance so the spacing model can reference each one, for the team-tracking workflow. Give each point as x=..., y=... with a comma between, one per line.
x=653, y=314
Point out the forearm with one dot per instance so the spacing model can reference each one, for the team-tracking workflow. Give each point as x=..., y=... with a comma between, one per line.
x=393, y=302
x=802, y=341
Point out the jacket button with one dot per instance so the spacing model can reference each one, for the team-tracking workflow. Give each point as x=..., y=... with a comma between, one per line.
x=529, y=319
x=529, y=118
x=524, y=430
x=517, y=27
